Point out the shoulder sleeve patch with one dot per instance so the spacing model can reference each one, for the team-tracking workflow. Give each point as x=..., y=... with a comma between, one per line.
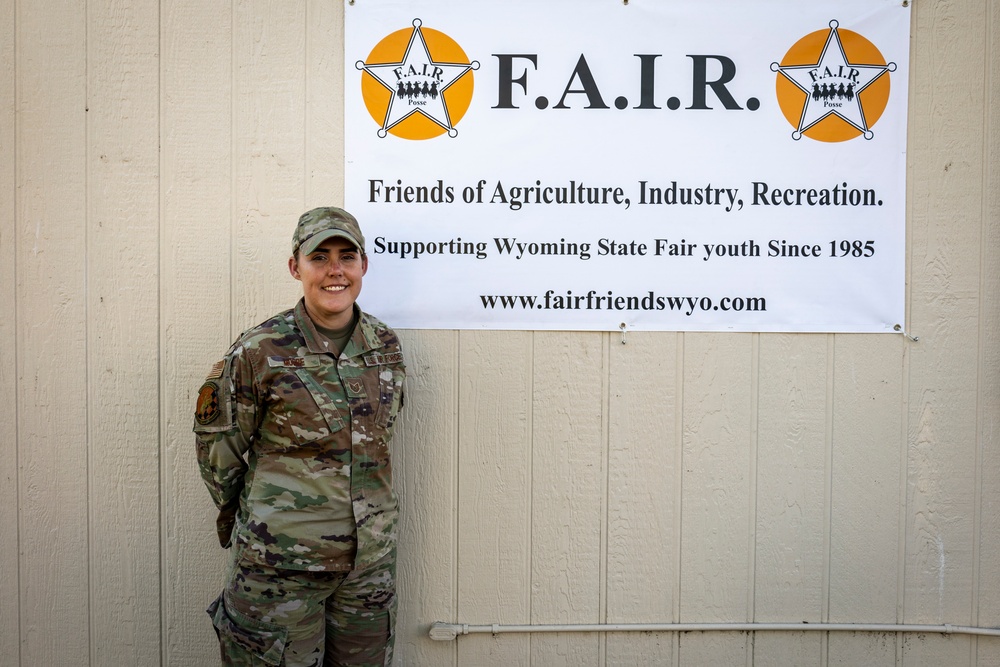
x=208, y=408
x=214, y=411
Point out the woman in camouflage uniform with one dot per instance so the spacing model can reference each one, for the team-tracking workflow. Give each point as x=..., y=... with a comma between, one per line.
x=292, y=429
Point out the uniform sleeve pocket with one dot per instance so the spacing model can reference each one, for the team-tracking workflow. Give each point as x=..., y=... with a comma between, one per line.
x=241, y=637
x=391, y=397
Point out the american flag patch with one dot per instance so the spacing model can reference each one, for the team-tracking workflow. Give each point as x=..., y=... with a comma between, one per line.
x=217, y=369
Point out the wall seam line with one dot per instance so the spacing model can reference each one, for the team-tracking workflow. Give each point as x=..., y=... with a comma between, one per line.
x=91, y=658
x=903, y=527
x=977, y=515
x=828, y=436
x=159, y=335
x=233, y=176
x=679, y=487
x=531, y=484
x=605, y=539
x=752, y=491
x=456, y=482
x=904, y=408
x=306, y=71
x=17, y=358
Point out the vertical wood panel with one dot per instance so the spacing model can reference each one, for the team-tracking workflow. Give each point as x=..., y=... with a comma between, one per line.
x=865, y=513
x=787, y=649
x=425, y=451
x=324, y=121
x=987, y=652
x=936, y=650
x=946, y=174
x=269, y=155
x=494, y=509
x=567, y=484
x=9, y=380
x=790, y=553
x=864, y=543
x=642, y=474
x=872, y=649
x=988, y=436
x=714, y=648
x=122, y=334
x=196, y=197
x=717, y=500
x=51, y=332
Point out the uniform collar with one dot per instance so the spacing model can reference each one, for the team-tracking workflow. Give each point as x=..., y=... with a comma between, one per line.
x=364, y=338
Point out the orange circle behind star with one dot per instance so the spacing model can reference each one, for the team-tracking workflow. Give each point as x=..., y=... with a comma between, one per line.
x=808, y=50
x=457, y=98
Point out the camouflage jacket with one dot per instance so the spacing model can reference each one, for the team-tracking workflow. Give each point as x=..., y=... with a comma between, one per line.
x=293, y=443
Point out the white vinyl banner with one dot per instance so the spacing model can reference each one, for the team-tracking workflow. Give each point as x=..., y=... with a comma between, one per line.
x=693, y=165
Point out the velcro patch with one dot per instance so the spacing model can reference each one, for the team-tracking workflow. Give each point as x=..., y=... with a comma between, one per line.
x=293, y=362
x=355, y=387
x=217, y=369
x=377, y=359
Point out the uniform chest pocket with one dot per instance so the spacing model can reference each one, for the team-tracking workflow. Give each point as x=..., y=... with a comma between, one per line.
x=303, y=410
x=375, y=394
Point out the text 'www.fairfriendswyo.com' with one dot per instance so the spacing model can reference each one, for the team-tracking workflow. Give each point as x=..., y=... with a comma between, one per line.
x=688, y=305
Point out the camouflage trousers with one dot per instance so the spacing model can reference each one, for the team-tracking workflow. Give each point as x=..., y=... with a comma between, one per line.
x=296, y=618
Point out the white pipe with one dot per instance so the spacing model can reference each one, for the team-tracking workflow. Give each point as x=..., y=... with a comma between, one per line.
x=442, y=631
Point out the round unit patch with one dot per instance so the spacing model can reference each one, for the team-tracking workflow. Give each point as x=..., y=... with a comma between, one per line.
x=208, y=404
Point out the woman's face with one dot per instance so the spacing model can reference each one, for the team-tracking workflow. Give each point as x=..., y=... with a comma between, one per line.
x=331, y=281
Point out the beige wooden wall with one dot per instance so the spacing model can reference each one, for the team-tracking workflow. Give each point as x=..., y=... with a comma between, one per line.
x=155, y=156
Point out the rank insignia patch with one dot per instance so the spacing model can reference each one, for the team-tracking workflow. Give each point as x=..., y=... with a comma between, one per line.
x=208, y=404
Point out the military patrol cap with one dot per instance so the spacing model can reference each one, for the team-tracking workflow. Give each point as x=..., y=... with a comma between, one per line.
x=324, y=223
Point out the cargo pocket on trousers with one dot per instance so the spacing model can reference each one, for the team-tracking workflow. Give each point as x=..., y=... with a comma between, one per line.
x=245, y=641
x=390, y=644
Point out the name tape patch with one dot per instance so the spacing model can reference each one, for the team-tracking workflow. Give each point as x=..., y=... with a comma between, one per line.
x=377, y=359
x=293, y=362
